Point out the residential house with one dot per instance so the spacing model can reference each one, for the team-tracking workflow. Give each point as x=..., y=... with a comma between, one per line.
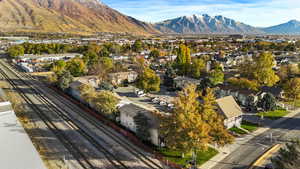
x=89, y=80
x=244, y=97
x=120, y=77
x=182, y=81
x=129, y=111
x=231, y=111
x=277, y=92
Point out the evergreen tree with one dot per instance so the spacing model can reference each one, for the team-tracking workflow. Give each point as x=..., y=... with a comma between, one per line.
x=268, y=102
x=170, y=74
x=142, y=126
x=288, y=157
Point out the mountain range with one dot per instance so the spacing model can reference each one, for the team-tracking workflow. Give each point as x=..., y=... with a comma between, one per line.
x=204, y=24
x=199, y=24
x=72, y=16
x=92, y=16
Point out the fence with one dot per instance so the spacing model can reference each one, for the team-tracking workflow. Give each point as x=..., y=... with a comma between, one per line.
x=132, y=138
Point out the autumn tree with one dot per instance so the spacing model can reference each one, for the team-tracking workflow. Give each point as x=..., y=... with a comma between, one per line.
x=218, y=133
x=216, y=77
x=154, y=54
x=87, y=92
x=193, y=126
x=90, y=58
x=292, y=89
x=260, y=69
x=148, y=80
x=102, y=68
x=184, y=129
x=198, y=66
x=243, y=83
x=246, y=69
x=106, y=103
x=263, y=69
x=183, y=60
x=17, y=50
x=76, y=67
x=58, y=66
x=287, y=71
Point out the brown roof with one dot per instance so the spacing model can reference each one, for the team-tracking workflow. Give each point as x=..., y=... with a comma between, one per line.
x=229, y=107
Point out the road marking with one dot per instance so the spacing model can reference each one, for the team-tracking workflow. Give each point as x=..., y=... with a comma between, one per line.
x=265, y=156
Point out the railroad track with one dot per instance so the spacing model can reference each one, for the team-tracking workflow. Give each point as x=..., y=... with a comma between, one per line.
x=118, y=139
x=76, y=152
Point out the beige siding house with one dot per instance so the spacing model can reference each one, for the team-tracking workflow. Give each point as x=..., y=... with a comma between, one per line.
x=231, y=111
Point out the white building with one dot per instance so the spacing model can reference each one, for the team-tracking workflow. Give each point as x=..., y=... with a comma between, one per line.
x=231, y=111
x=127, y=114
x=17, y=150
x=48, y=57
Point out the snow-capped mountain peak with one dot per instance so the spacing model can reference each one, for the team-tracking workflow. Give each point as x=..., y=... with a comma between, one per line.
x=195, y=24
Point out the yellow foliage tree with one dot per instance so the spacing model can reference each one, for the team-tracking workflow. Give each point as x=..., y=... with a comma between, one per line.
x=193, y=126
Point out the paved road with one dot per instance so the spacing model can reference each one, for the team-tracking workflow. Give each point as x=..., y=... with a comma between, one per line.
x=251, y=150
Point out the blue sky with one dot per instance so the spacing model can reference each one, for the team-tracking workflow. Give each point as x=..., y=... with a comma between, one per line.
x=254, y=12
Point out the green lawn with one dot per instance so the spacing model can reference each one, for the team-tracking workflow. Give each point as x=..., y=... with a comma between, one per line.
x=175, y=156
x=237, y=130
x=274, y=115
x=249, y=126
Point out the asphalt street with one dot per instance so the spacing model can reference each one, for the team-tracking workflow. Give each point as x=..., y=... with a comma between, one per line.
x=251, y=150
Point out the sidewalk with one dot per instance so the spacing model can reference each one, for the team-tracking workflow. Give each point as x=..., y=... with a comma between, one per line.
x=225, y=151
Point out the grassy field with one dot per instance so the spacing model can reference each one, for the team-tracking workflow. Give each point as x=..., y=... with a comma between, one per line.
x=237, y=130
x=249, y=126
x=175, y=156
x=274, y=115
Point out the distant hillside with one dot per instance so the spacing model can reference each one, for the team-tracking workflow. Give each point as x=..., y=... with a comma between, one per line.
x=203, y=24
x=72, y=16
x=290, y=28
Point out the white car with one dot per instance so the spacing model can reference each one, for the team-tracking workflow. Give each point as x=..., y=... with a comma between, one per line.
x=142, y=95
x=163, y=103
x=155, y=100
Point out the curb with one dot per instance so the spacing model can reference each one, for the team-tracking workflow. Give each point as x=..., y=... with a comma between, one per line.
x=265, y=156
